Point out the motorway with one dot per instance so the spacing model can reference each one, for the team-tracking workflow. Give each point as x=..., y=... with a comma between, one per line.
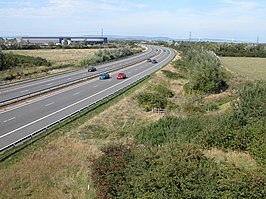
x=25, y=119
x=27, y=89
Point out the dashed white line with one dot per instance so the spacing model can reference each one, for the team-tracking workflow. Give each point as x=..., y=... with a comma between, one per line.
x=71, y=105
x=49, y=104
x=10, y=119
x=49, y=84
x=76, y=93
x=95, y=86
x=69, y=78
x=24, y=91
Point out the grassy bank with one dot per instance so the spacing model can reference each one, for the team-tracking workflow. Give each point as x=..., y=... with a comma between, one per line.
x=62, y=164
x=58, y=165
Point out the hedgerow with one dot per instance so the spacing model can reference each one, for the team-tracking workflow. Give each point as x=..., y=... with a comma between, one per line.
x=203, y=69
x=176, y=171
x=242, y=129
x=108, y=54
x=9, y=60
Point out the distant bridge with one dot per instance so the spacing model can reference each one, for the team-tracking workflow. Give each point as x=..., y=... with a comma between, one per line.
x=62, y=39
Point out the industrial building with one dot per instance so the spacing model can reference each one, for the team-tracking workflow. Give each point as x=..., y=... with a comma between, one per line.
x=61, y=40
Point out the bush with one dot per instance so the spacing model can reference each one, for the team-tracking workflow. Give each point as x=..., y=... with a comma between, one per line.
x=108, y=54
x=9, y=60
x=172, y=75
x=177, y=171
x=156, y=97
x=151, y=100
x=170, y=129
x=108, y=171
x=251, y=104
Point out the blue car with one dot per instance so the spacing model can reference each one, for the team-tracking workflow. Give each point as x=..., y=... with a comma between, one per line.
x=104, y=76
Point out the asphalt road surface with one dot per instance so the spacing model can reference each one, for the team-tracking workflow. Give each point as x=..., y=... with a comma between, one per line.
x=24, y=90
x=24, y=119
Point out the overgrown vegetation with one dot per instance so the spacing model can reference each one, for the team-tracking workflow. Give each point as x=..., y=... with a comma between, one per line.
x=177, y=171
x=17, y=64
x=203, y=69
x=198, y=150
x=167, y=159
x=172, y=75
x=156, y=96
x=9, y=60
x=226, y=49
x=108, y=54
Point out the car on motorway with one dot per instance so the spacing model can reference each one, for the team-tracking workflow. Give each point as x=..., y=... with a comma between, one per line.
x=121, y=76
x=149, y=60
x=104, y=76
x=92, y=69
x=154, y=61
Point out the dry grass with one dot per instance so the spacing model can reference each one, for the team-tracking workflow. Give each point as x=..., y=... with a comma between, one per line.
x=117, y=121
x=250, y=68
x=61, y=169
x=57, y=56
x=238, y=159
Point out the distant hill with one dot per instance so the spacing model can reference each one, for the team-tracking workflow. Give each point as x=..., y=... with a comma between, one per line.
x=154, y=38
x=146, y=38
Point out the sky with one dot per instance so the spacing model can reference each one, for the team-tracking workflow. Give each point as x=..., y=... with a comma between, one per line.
x=242, y=20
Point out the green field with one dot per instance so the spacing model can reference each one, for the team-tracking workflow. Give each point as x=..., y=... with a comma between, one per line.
x=250, y=68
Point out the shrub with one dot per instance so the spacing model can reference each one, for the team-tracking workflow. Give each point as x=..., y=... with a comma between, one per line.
x=9, y=60
x=108, y=54
x=176, y=171
x=170, y=129
x=172, y=75
x=149, y=100
x=156, y=97
x=203, y=69
x=251, y=104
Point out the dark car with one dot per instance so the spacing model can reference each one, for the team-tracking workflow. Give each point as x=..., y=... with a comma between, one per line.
x=104, y=76
x=92, y=69
x=154, y=61
x=149, y=60
x=121, y=76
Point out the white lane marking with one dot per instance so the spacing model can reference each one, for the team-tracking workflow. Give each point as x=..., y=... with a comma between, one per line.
x=136, y=69
x=49, y=84
x=10, y=119
x=76, y=93
x=74, y=73
x=24, y=91
x=33, y=122
x=95, y=86
x=49, y=104
x=69, y=78
x=29, y=102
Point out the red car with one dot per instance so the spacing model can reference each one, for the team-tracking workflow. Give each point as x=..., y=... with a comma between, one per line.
x=121, y=76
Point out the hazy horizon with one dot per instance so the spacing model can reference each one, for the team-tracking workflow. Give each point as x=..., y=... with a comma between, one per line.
x=241, y=20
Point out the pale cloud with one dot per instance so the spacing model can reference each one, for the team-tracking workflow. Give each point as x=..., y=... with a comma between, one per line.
x=55, y=8
x=128, y=17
